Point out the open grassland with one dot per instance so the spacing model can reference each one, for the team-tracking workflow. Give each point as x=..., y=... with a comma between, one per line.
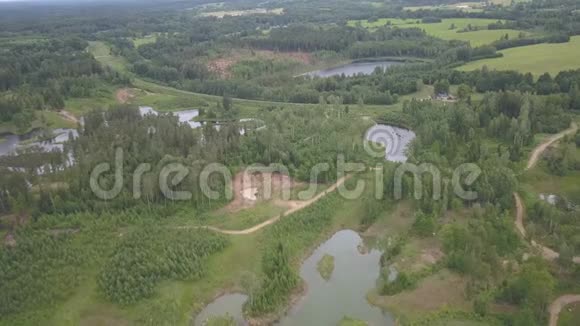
x=137, y=42
x=460, y=23
x=462, y=6
x=570, y=315
x=102, y=52
x=536, y=59
x=444, y=31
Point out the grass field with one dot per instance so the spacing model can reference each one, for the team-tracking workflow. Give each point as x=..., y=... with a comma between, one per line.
x=536, y=59
x=137, y=42
x=570, y=315
x=462, y=6
x=443, y=30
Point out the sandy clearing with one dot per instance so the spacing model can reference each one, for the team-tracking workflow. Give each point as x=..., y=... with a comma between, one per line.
x=124, y=95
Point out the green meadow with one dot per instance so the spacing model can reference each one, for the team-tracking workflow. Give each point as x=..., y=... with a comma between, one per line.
x=444, y=29
x=137, y=42
x=536, y=59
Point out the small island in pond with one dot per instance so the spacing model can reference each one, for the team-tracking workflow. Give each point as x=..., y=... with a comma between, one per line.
x=326, y=266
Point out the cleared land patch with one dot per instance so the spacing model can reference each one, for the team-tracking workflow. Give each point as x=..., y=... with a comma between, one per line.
x=536, y=59
x=432, y=294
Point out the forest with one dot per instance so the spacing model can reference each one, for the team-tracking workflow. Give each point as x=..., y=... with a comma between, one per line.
x=140, y=99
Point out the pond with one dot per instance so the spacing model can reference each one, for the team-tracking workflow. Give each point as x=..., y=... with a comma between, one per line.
x=394, y=139
x=344, y=294
x=183, y=116
x=228, y=304
x=9, y=143
x=353, y=69
x=356, y=271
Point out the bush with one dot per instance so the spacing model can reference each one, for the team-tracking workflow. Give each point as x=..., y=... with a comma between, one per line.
x=402, y=283
x=424, y=225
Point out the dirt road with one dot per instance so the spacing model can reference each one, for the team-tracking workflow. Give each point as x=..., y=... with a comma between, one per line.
x=559, y=304
x=547, y=253
x=297, y=206
x=537, y=152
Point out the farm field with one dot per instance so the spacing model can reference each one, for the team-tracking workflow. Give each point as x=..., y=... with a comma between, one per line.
x=462, y=6
x=536, y=59
x=442, y=30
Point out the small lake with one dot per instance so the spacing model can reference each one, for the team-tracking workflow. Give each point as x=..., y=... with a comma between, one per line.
x=9, y=143
x=185, y=116
x=356, y=272
x=395, y=140
x=353, y=69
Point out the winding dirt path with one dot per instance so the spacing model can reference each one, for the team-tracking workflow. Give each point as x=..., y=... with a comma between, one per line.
x=558, y=304
x=296, y=206
x=537, y=152
x=547, y=253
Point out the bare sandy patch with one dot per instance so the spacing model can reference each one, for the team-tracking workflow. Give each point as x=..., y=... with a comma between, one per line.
x=251, y=188
x=125, y=95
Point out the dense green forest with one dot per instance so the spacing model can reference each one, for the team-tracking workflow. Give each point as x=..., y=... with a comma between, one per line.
x=130, y=253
